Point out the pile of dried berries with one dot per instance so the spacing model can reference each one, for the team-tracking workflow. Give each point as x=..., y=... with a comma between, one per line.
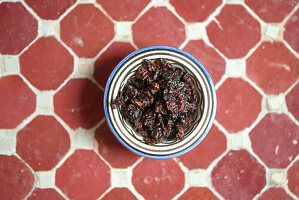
x=159, y=101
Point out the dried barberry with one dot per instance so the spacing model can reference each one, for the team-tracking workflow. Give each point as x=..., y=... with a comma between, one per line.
x=159, y=101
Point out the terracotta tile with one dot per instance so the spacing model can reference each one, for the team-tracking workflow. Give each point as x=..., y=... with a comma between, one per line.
x=204, y=156
x=150, y=175
x=238, y=175
x=234, y=32
x=281, y=144
x=292, y=101
x=112, y=150
x=238, y=104
x=79, y=103
x=16, y=178
x=206, y=55
x=17, y=101
x=123, y=10
x=18, y=28
x=158, y=26
x=293, y=178
x=45, y=194
x=195, y=193
x=119, y=194
x=86, y=30
x=50, y=9
x=272, y=10
x=43, y=143
x=273, y=67
x=195, y=10
x=46, y=64
x=83, y=176
x=107, y=61
x=291, y=31
x=275, y=194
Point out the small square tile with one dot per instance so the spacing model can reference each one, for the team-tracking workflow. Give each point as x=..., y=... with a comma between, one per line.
x=123, y=31
x=199, y=177
x=238, y=141
x=49, y=28
x=275, y=103
x=195, y=31
x=11, y=64
x=1, y=65
x=7, y=142
x=84, y=138
x=84, y=68
x=272, y=31
x=86, y=1
x=45, y=99
x=119, y=178
x=277, y=177
x=45, y=179
x=234, y=1
x=235, y=67
x=160, y=2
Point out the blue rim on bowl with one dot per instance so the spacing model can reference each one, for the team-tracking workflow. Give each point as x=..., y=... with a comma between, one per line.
x=123, y=133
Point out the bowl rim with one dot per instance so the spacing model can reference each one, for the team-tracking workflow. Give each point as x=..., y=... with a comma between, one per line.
x=213, y=92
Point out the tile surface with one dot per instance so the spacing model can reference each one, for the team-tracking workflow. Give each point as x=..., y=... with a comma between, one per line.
x=44, y=194
x=56, y=57
x=232, y=21
x=42, y=143
x=46, y=63
x=18, y=28
x=17, y=101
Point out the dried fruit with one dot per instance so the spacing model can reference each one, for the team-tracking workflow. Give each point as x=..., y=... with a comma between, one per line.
x=159, y=101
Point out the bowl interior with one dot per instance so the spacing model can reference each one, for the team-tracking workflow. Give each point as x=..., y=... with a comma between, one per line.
x=197, y=114
x=204, y=115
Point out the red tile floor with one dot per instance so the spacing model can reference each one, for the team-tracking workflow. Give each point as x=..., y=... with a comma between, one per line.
x=55, y=58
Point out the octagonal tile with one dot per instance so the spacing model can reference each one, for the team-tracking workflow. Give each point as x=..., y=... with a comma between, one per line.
x=158, y=26
x=238, y=175
x=195, y=193
x=275, y=194
x=50, y=9
x=150, y=175
x=17, y=101
x=234, y=31
x=42, y=143
x=208, y=57
x=86, y=30
x=79, y=103
x=293, y=178
x=46, y=64
x=107, y=61
x=16, y=178
x=45, y=194
x=123, y=10
x=18, y=28
x=83, y=176
x=215, y=140
x=281, y=144
x=195, y=10
x=292, y=31
x=292, y=101
x=273, y=67
x=272, y=10
x=119, y=194
x=238, y=104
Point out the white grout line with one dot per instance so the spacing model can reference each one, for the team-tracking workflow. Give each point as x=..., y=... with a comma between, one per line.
x=74, y=134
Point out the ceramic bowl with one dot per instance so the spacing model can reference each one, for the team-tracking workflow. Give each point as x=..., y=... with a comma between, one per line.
x=204, y=116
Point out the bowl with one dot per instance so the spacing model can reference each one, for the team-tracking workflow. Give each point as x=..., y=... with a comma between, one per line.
x=203, y=118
